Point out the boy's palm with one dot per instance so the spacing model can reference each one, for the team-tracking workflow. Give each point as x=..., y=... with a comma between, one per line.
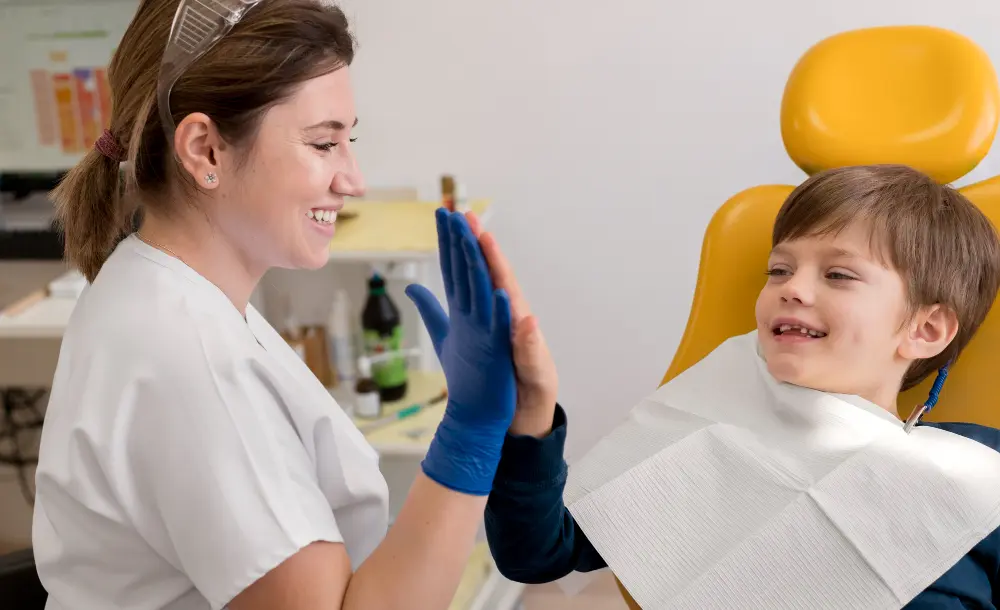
x=537, y=379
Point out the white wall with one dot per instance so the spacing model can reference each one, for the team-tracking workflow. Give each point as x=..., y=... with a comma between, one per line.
x=607, y=137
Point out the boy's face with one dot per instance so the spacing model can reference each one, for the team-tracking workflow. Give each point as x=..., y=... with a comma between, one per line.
x=831, y=316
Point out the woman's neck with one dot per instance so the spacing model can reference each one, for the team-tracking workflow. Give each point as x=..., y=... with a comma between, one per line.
x=192, y=239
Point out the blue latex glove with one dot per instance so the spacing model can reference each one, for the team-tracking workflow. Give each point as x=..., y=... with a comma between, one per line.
x=474, y=347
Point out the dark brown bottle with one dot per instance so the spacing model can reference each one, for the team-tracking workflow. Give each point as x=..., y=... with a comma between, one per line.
x=383, y=333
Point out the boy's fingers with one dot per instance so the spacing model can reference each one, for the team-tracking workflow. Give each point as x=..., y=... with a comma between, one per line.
x=525, y=336
x=474, y=224
x=503, y=275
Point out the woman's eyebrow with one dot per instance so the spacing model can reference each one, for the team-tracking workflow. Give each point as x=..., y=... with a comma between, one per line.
x=332, y=124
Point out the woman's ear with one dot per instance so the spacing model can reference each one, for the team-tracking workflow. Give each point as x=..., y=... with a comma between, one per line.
x=197, y=143
x=929, y=333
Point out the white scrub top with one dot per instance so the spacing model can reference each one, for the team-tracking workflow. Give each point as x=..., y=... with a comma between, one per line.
x=186, y=450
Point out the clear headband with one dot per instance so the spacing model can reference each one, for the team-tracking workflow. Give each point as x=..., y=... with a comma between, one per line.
x=198, y=25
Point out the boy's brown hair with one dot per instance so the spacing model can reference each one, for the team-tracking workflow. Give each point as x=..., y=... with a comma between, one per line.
x=945, y=248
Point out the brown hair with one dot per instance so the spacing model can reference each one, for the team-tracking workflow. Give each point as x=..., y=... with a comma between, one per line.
x=277, y=46
x=944, y=247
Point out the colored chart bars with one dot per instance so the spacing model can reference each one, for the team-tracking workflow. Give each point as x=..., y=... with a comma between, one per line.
x=72, y=107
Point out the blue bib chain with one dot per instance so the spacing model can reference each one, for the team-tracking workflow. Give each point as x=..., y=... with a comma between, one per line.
x=932, y=399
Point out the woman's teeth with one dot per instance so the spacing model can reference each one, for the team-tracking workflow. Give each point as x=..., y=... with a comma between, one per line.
x=327, y=217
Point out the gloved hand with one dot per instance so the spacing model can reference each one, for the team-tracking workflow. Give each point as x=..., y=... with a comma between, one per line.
x=474, y=347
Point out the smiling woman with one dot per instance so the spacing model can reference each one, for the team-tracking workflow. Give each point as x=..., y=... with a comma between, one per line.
x=261, y=139
x=189, y=458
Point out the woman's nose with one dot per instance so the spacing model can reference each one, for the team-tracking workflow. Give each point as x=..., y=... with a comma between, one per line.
x=349, y=181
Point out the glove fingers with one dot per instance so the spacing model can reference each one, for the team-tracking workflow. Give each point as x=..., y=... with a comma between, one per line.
x=502, y=318
x=481, y=286
x=444, y=251
x=459, y=269
x=433, y=316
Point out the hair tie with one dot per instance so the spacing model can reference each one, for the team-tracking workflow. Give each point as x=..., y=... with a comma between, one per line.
x=108, y=146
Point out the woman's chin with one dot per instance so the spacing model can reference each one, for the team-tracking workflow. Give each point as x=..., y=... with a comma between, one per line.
x=316, y=260
x=310, y=256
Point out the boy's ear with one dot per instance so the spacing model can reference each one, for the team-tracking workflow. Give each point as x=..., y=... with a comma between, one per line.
x=930, y=331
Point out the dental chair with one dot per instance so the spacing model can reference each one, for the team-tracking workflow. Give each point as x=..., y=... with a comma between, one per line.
x=915, y=95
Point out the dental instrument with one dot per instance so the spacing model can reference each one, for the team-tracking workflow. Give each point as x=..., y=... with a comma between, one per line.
x=932, y=399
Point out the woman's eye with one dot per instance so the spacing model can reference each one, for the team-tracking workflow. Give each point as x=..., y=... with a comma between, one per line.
x=776, y=272
x=328, y=146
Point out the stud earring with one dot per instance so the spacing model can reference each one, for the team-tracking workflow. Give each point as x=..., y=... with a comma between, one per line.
x=211, y=178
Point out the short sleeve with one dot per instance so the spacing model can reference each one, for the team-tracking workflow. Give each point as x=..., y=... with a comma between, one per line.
x=217, y=480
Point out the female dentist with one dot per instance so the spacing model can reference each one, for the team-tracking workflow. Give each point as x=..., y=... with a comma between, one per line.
x=189, y=459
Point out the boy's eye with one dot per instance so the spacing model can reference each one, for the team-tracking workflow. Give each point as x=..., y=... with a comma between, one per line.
x=776, y=272
x=837, y=275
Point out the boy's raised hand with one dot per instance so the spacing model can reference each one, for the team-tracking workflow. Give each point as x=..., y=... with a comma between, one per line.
x=537, y=379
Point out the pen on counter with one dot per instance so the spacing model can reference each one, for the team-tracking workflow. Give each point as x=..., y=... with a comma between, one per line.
x=410, y=411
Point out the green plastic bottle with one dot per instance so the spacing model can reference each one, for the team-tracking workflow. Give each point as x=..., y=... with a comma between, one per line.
x=383, y=332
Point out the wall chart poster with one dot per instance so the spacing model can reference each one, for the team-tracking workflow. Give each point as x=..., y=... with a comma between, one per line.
x=54, y=95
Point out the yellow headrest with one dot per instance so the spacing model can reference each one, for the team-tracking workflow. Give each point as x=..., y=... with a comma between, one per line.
x=917, y=95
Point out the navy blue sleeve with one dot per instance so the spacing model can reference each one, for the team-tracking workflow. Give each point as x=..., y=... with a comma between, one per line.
x=531, y=534
x=973, y=582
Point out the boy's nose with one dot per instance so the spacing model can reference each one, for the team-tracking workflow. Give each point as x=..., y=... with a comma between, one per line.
x=798, y=290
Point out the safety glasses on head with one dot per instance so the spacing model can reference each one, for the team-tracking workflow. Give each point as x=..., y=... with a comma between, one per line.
x=198, y=25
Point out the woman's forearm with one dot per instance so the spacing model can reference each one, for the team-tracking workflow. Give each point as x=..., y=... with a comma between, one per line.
x=421, y=561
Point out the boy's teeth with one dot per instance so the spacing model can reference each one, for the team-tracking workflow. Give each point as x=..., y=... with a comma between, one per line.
x=784, y=328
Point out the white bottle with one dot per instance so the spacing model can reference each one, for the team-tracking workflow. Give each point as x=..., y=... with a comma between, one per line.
x=341, y=338
x=367, y=402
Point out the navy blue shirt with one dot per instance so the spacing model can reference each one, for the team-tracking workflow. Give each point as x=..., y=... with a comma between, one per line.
x=534, y=539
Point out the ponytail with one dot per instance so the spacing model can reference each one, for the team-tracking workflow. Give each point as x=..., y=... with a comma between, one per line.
x=91, y=212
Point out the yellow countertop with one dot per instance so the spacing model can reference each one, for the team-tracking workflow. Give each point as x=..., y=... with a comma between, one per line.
x=413, y=434
x=477, y=572
x=390, y=229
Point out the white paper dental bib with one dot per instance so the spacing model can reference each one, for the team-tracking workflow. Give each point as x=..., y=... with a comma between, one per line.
x=727, y=489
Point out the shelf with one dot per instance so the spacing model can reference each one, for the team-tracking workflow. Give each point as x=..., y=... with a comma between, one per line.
x=390, y=231
x=45, y=318
x=411, y=436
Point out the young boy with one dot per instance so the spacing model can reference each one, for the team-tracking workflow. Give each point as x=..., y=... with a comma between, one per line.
x=878, y=277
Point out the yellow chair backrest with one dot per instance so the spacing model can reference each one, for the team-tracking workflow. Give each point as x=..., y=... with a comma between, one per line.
x=921, y=96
